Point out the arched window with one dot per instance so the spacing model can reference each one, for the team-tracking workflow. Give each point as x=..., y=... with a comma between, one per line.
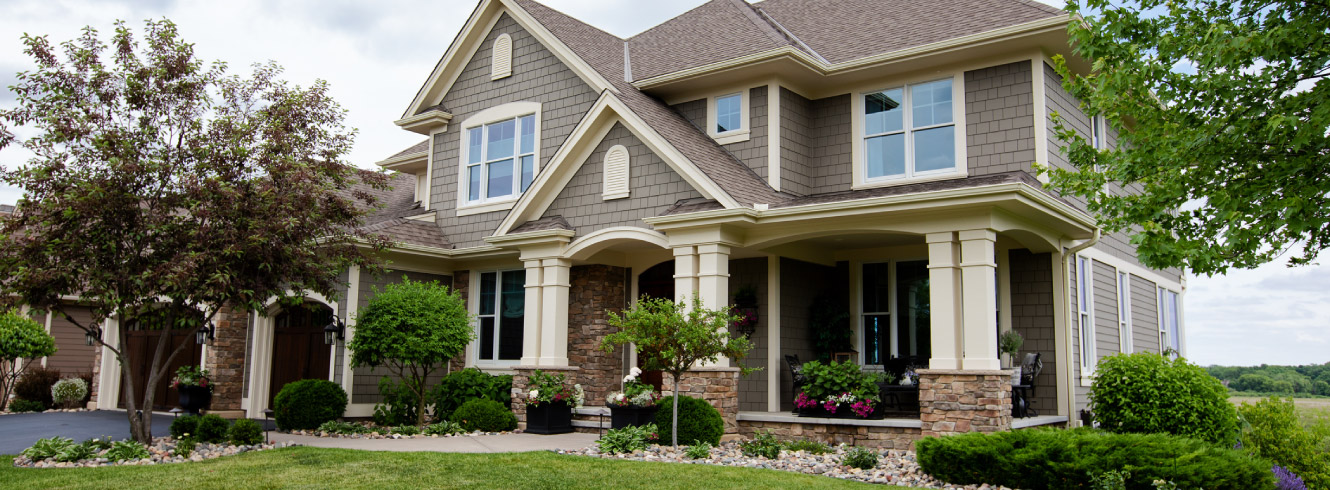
x=501, y=64
x=616, y=173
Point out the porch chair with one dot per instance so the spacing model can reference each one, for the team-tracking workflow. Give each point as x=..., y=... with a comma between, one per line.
x=1031, y=366
x=796, y=370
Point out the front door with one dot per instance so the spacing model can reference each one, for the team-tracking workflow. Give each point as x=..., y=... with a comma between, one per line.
x=298, y=349
x=656, y=282
x=141, y=339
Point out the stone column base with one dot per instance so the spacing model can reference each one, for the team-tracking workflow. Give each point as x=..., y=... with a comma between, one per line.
x=521, y=379
x=959, y=401
x=719, y=386
x=226, y=358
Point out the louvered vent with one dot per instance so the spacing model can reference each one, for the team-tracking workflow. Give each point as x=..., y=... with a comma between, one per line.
x=616, y=173
x=501, y=64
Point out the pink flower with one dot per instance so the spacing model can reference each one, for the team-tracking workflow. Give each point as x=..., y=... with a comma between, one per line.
x=830, y=405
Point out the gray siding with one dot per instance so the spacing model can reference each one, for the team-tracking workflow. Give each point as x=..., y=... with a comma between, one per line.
x=753, y=152
x=796, y=152
x=343, y=294
x=537, y=76
x=831, y=141
x=753, y=387
x=366, y=381
x=999, y=119
x=1107, y=333
x=1032, y=316
x=799, y=284
x=1144, y=315
x=72, y=356
x=654, y=187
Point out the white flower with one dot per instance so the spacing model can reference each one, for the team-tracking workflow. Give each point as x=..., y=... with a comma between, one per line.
x=534, y=394
x=635, y=371
x=628, y=379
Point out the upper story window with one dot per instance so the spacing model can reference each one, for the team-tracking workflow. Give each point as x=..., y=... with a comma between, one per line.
x=727, y=117
x=1124, y=311
x=1085, y=314
x=910, y=131
x=1097, y=139
x=499, y=152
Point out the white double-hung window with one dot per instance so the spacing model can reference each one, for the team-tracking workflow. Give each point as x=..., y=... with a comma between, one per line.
x=910, y=132
x=1170, y=320
x=1085, y=315
x=499, y=155
x=1124, y=311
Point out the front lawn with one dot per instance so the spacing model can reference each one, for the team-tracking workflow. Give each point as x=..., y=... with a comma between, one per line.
x=345, y=468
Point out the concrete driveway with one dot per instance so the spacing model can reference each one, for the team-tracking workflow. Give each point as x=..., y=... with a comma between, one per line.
x=18, y=431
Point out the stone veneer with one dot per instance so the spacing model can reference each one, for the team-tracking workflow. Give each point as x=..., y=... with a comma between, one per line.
x=959, y=401
x=96, y=378
x=596, y=290
x=718, y=386
x=226, y=358
x=875, y=437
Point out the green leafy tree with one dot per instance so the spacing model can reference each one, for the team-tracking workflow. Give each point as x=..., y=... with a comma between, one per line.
x=159, y=181
x=672, y=337
x=1229, y=156
x=413, y=328
x=22, y=342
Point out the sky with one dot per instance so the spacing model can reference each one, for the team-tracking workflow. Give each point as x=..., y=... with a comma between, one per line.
x=376, y=55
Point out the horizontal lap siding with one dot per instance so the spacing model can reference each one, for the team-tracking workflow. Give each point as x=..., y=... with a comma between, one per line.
x=366, y=380
x=1145, y=314
x=73, y=354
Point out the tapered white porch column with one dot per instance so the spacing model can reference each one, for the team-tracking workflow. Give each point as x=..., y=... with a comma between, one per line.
x=979, y=294
x=554, y=312
x=703, y=271
x=531, y=337
x=685, y=274
x=944, y=295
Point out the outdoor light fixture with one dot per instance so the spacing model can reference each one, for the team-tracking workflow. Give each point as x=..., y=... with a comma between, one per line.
x=204, y=334
x=333, y=332
x=93, y=335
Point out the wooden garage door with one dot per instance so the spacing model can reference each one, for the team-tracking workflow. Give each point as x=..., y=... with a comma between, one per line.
x=298, y=350
x=141, y=343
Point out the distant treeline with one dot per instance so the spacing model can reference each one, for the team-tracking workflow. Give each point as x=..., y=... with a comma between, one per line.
x=1313, y=379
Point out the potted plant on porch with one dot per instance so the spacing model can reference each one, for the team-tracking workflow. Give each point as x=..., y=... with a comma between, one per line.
x=1009, y=344
x=635, y=405
x=549, y=405
x=839, y=390
x=195, y=390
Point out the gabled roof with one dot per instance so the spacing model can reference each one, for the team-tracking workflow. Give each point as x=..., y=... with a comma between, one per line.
x=411, y=232
x=412, y=150
x=542, y=224
x=714, y=31
x=395, y=205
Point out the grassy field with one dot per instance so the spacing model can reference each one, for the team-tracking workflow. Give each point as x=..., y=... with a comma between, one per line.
x=304, y=467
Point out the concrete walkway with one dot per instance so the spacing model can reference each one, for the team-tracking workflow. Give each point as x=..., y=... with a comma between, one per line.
x=505, y=443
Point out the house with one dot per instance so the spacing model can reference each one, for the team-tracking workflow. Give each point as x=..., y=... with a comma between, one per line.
x=800, y=149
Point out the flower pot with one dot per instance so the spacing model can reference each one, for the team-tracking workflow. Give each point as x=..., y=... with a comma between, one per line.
x=194, y=398
x=549, y=418
x=625, y=416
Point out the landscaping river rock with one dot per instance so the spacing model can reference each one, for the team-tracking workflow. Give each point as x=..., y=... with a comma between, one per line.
x=894, y=468
x=162, y=451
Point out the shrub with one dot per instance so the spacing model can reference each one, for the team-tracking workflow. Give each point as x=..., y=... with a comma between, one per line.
x=69, y=392
x=35, y=385
x=485, y=416
x=698, y=451
x=822, y=381
x=185, y=424
x=47, y=448
x=305, y=404
x=21, y=341
x=469, y=384
x=811, y=447
x=1149, y=393
x=627, y=439
x=763, y=444
x=75, y=452
x=1274, y=433
x=98, y=444
x=245, y=432
x=861, y=457
x=126, y=450
x=212, y=428
x=19, y=405
x=698, y=420
x=444, y=428
x=339, y=427
x=399, y=403
x=1058, y=459
x=185, y=447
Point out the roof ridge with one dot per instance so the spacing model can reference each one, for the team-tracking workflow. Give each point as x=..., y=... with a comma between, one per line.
x=580, y=21
x=757, y=20
x=790, y=35
x=667, y=21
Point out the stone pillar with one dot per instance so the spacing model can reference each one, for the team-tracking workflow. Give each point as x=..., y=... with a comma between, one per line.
x=96, y=377
x=596, y=291
x=554, y=312
x=944, y=296
x=719, y=386
x=979, y=294
x=958, y=401
x=226, y=358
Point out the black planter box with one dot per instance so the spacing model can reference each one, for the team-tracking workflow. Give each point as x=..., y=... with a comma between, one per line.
x=621, y=417
x=194, y=398
x=549, y=418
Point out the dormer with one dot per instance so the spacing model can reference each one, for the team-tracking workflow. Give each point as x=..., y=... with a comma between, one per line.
x=413, y=161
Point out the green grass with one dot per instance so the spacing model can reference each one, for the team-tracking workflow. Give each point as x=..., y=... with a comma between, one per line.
x=305, y=467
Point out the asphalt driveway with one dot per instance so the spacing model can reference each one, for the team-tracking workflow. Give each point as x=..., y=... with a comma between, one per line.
x=18, y=431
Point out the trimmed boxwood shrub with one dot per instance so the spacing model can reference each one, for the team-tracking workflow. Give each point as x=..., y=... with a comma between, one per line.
x=245, y=432
x=212, y=428
x=1065, y=459
x=185, y=424
x=308, y=403
x=485, y=416
x=468, y=384
x=19, y=405
x=698, y=420
x=1148, y=393
x=35, y=385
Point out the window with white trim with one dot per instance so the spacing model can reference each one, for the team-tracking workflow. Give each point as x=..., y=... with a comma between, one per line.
x=1098, y=140
x=1170, y=335
x=909, y=131
x=729, y=113
x=1124, y=311
x=1085, y=314
x=499, y=159
x=500, y=316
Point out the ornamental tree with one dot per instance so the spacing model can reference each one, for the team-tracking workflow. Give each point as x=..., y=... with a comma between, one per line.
x=22, y=342
x=1223, y=114
x=413, y=328
x=673, y=337
x=159, y=183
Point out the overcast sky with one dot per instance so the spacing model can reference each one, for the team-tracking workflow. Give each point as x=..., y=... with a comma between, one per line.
x=376, y=55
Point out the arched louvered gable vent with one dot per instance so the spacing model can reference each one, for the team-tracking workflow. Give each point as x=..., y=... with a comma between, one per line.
x=501, y=63
x=616, y=173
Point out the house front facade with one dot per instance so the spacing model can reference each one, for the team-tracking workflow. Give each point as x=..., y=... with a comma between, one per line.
x=818, y=159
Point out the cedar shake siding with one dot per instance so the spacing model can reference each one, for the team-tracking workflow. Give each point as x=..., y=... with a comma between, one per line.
x=366, y=380
x=831, y=140
x=796, y=152
x=537, y=76
x=753, y=387
x=999, y=119
x=1032, y=316
x=800, y=283
x=654, y=187
x=753, y=153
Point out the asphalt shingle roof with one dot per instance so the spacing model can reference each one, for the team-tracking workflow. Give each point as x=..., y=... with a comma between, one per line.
x=413, y=149
x=715, y=31
x=546, y=223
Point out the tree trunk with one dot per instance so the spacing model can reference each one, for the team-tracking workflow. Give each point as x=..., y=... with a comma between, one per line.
x=674, y=417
